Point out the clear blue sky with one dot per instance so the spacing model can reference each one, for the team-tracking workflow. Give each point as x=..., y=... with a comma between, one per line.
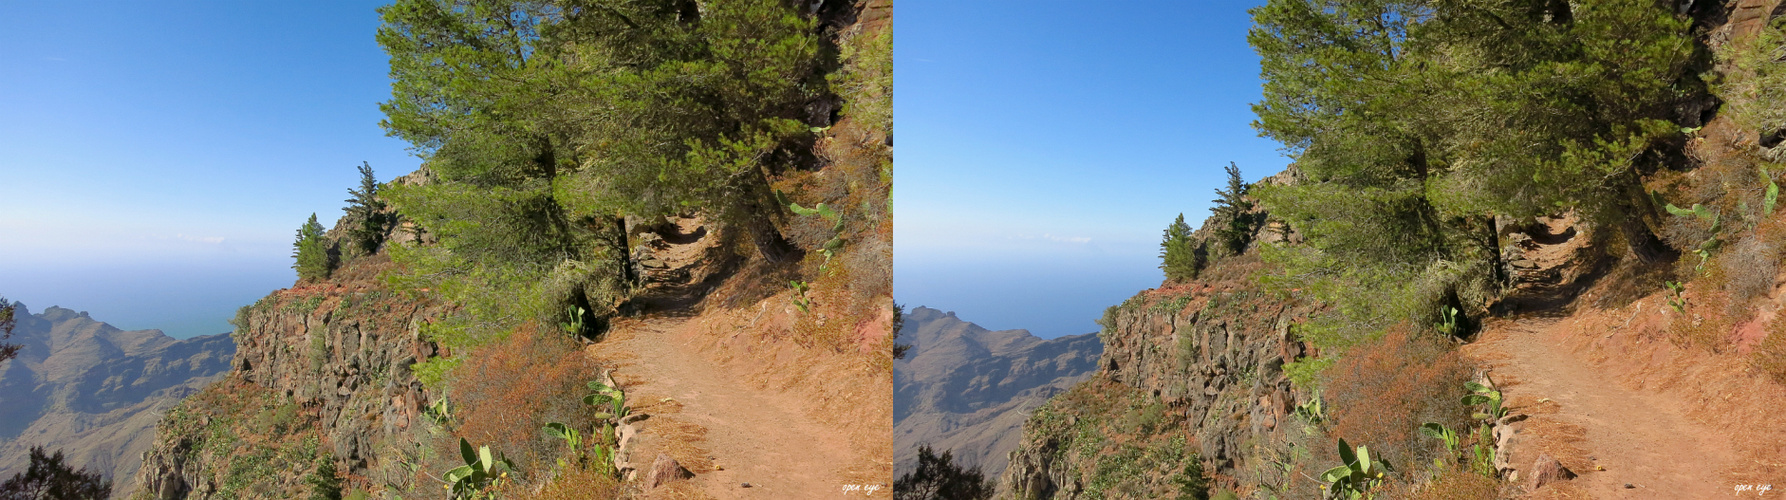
x=156, y=158
x=1043, y=146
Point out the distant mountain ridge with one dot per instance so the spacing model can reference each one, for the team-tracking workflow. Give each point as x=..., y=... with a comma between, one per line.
x=94, y=391
x=967, y=389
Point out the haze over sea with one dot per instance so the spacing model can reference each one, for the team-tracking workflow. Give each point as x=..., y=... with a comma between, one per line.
x=156, y=158
x=1044, y=147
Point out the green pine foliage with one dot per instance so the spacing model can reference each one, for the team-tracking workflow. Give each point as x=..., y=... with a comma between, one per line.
x=868, y=90
x=49, y=476
x=365, y=214
x=8, y=310
x=546, y=123
x=325, y=482
x=1415, y=123
x=1232, y=212
x=938, y=477
x=1181, y=256
x=311, y=252
x=1757, y=99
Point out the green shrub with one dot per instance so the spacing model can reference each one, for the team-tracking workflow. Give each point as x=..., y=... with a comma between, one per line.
x=325, y=483
x=432, y=372
x=319, y=349
x=240, y=321
x=866, y=82
x=1756, y=92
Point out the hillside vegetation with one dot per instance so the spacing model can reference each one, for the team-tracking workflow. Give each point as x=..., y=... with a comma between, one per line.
x=1464, y=171
x=594, y=172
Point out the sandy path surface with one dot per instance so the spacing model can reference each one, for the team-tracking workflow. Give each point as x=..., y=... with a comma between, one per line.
x=727, y=432
x=1608, y=433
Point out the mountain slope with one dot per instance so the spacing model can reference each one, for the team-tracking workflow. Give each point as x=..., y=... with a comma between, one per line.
x=968, y=389
x=94, y=391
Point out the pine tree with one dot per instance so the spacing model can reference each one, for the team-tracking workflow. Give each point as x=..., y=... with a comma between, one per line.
x=49, y=477
x=7, y=321
x=311, y=252
x=899, y=350
x=592, y=108
x=1414, y=123
x=1231, y=210
x=939, y=478
x=365, y=213
x=1180, y=256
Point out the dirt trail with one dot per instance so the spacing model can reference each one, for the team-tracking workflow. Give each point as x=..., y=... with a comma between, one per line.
x=706, y=413
x=725, y=431
x=1611, y=430
x=1589, y=421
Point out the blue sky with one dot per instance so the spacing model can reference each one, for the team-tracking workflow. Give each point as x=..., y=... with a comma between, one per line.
x=156, y=158
x=1043, y=146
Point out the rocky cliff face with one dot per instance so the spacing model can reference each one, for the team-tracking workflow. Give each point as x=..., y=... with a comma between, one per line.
x=93, y=391
x=967, y=389
x=1191, y=376
x=326, y=368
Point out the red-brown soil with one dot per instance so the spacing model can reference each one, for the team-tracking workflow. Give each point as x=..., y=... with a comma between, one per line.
x=727, y=430
x=1616, y=398
x=735, y=395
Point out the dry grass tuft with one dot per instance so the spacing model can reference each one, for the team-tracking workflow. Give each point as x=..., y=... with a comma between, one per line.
x=1382, y=391
x=1749, y=270
x=1453, y=484
x=1769, y=356
x=506, y=392
x=576, y=483
x=1702, y=324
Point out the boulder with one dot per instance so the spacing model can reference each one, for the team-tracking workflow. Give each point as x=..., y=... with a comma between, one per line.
x=1548, y=470
x=665, y=470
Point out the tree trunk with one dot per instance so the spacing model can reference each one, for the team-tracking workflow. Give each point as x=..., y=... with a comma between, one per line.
x=1639, y=239
x=758, y=207
x=768, y=240
x=623, y=245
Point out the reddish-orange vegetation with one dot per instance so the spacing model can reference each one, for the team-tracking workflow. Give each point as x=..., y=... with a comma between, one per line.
x=1382, y=391
x=506, y=392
